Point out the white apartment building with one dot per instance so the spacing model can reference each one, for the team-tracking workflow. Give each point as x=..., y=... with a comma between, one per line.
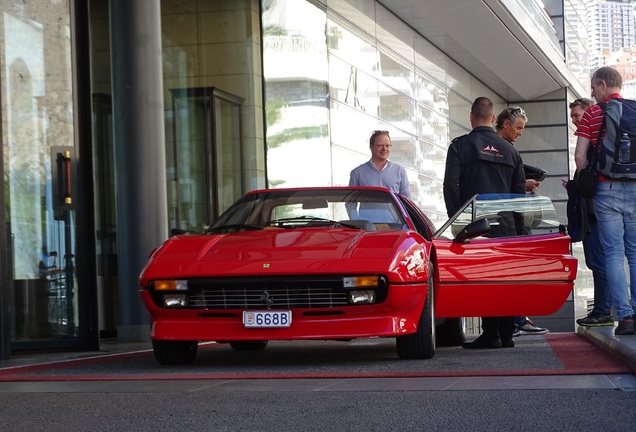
x=610, y=27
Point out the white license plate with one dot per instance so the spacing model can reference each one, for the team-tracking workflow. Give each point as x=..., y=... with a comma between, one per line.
x=267, y=319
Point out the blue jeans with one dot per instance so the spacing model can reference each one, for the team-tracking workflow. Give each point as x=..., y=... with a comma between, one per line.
x=616, y=215
x=595, y=261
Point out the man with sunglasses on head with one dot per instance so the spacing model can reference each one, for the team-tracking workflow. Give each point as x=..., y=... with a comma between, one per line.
x=379, y=170
x=509, y=125
x=482, y=162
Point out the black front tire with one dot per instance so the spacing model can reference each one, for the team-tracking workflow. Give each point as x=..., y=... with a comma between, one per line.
x=421, y=344
x=175, y=352
x=248, y=345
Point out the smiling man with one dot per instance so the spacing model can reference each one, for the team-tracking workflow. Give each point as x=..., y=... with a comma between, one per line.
x=379, y=170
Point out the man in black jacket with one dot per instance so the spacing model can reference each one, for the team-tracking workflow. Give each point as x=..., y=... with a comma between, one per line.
x=482, y=162
x=509, y=125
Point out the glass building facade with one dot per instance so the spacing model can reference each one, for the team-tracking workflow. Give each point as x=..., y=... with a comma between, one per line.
x=120, y=116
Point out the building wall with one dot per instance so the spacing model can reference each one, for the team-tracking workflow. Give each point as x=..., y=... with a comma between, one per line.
x=335, y=71
x=327, y=90
x=326, y=75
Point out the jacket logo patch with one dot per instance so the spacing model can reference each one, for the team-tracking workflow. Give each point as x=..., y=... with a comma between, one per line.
x=491, y=151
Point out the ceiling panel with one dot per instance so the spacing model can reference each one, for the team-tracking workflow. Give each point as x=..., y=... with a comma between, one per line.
x=483, y=37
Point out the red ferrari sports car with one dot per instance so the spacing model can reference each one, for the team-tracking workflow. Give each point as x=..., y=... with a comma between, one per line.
x=338, y=263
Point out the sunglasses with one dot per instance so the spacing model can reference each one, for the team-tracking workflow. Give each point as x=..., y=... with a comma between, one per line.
x=379, y=132
x=516, y=111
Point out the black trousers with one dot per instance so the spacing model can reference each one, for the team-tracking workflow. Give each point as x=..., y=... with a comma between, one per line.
x=498, y=327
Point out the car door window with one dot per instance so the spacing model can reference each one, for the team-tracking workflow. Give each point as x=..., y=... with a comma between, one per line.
x=509, y=215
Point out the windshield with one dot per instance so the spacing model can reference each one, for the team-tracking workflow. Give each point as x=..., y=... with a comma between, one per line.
x=333, y=207
x=509, y=215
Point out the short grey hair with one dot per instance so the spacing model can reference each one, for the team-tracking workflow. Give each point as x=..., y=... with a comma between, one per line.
x=511, y=113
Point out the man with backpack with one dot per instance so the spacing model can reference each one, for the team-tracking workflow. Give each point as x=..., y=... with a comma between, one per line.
x=601, y=314
x=615, y=199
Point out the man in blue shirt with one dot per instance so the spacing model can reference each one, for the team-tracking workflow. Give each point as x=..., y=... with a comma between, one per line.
x=380, y=171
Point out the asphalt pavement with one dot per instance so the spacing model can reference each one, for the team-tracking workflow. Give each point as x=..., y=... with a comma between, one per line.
x=621, y=347
x=446, y=403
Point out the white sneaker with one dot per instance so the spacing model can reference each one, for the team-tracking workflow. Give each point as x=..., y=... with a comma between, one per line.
x=528, y=328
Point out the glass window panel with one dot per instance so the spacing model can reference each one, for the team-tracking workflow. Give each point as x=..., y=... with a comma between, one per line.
x=404, y=148
x=305, y=161
x=228, y=152
x=206, y=171
x=38, y=138
x=192, y=156
x=296, y=73
x=359, y=13
x=352, y=47
x=353, y=87
x=430, y=59
x=354, y=138
x=344, y=160
x=396, y=108
x=394, y=33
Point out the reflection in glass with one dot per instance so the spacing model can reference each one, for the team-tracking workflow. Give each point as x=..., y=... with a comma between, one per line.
x=39, y=166
x=297, y=113
x=205, y=176
x=372, y=84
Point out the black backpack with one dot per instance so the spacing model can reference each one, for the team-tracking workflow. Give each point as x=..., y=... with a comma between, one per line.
x=619, y=117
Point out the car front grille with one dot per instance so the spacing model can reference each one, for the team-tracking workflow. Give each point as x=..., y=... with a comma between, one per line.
x=273, y=293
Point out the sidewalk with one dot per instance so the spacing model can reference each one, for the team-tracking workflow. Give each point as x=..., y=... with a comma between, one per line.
x=621, y=347
x=107, y=347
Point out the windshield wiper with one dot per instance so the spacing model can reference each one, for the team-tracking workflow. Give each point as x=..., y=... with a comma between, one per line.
x=303, y=219
x=233, y=227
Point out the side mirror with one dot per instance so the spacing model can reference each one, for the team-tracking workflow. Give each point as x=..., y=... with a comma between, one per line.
x=474, y=229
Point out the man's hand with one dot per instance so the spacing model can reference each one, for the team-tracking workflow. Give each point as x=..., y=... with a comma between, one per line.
x=532, y=185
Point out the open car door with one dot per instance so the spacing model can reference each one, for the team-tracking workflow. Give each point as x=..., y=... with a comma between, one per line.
x=518, y=263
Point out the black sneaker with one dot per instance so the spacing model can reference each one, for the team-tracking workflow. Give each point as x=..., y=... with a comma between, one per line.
x=625, y=326
x=595, y=319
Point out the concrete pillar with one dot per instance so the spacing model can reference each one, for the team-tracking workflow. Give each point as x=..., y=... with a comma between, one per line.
x=140, y=169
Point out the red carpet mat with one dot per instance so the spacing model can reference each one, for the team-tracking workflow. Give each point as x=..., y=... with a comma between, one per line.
x=551, y=354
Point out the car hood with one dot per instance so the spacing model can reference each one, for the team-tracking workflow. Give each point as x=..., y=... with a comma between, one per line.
x=279, y=252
